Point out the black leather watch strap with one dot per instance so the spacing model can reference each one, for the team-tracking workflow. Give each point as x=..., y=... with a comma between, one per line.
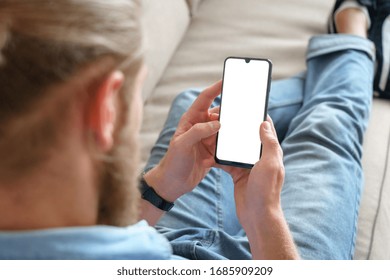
x=149, y=194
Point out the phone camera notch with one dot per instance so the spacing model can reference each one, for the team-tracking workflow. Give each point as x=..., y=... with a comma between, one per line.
x=247, y=60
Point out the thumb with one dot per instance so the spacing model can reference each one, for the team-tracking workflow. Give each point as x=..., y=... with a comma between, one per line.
x=201, y=131
x=269, y=139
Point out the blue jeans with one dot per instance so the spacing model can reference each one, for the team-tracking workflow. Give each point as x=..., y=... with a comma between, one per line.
x=320, y=116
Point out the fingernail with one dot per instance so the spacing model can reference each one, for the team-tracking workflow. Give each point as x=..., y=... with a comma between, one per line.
x=215, y=125
x=267, y=125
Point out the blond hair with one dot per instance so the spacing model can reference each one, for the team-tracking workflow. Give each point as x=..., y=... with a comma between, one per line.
x=44, y=43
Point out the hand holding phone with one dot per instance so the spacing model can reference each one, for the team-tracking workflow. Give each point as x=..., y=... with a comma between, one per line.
x=244, y=100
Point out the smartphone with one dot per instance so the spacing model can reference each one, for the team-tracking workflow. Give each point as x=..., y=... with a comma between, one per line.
x=244, y=100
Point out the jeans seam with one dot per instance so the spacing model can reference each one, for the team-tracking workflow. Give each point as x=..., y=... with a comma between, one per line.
x=356, y=216
x=285, y=104
x=207, y=241
x=219, y=202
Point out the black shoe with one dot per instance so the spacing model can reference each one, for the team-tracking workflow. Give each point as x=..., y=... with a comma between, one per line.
x=378, y=12
x=379, y=33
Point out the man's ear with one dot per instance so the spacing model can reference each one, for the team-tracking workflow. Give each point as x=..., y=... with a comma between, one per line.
x=102, y=110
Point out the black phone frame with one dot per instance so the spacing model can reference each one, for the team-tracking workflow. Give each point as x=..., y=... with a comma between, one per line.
x=242, y=164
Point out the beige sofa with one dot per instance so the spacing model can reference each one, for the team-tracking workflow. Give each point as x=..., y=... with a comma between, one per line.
x=186, y=43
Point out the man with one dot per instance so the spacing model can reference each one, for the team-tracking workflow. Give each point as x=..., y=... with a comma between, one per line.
x=70, y=105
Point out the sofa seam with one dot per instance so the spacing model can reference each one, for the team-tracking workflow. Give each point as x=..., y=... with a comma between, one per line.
x=380, y=198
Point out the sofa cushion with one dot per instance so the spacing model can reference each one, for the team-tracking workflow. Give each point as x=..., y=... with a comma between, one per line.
x=193, y=6
x=374, y=218
x=164, y=27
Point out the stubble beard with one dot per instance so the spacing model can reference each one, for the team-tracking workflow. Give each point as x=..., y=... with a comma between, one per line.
x=119, y=194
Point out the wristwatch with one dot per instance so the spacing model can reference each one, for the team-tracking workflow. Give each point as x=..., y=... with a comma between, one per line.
x=149, y=194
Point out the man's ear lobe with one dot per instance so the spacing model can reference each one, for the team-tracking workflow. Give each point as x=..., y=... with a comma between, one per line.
x=102, y=110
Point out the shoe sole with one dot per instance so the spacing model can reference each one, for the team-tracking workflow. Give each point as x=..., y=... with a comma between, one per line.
x=385, y=71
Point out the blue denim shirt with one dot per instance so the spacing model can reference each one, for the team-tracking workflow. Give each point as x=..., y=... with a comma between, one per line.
x=139, y=241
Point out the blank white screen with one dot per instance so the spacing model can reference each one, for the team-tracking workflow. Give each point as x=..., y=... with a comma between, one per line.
x=242, y=110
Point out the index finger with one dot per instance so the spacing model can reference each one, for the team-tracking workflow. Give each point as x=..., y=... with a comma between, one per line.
x=206, y=97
